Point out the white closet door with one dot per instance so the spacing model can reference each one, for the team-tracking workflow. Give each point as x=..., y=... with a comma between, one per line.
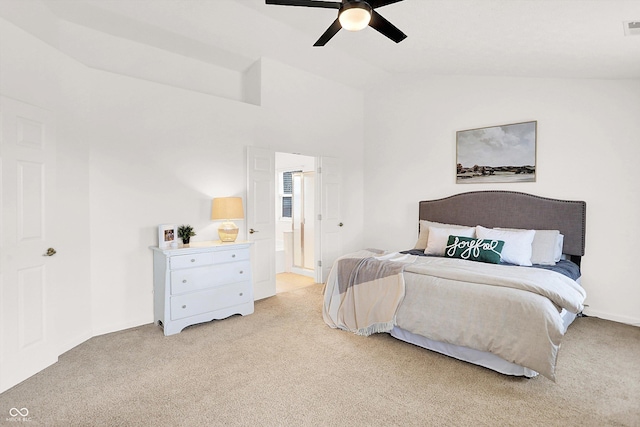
x=27, y=155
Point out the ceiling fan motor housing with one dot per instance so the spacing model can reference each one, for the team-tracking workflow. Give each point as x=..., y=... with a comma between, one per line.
x=350, y=4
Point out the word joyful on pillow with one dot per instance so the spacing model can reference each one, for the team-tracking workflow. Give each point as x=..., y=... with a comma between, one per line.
x=471, y=249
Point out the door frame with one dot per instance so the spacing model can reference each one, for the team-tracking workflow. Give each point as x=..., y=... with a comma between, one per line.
x=318, y=205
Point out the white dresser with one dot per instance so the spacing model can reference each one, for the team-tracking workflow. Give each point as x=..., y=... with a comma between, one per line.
x=201, y=282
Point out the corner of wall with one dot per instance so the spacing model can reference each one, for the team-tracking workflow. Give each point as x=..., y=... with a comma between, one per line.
x=252, y=84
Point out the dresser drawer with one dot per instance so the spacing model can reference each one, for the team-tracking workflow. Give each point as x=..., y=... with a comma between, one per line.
x=193, y=279
x=210, y=300
x=219, y=257
x=231, y=255
x=193, y=260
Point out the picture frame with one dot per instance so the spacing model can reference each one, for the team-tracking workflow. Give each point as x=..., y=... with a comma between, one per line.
x=497, y=154
x=167, y=235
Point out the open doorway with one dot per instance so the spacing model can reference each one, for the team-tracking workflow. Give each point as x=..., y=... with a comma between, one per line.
x=295, y=221
x=261, y=218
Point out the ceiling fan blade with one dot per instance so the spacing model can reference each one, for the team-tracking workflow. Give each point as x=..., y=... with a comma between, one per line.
x=307, y=3
x=380, y=3
x=386, y=28
x=331, y=31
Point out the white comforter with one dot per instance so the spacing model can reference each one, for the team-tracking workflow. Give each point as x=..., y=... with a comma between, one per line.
x=512, y=312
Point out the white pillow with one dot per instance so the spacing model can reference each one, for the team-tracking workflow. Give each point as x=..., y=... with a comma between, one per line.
x=559, y=245
x=517, y=244
x=423, y=237
x=438, y=237
x=545, y=246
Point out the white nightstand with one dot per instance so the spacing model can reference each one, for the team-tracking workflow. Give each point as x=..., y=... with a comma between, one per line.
x=201, y=282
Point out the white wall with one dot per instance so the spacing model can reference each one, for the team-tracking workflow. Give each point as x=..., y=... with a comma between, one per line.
x=587, y=149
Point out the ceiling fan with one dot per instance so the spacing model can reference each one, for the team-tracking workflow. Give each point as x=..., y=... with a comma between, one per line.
x=353, y=15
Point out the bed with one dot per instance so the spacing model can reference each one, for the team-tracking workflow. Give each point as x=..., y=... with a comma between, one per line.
x=508, y=316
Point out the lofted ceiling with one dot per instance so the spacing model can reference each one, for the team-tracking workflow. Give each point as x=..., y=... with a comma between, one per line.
x=520, y=38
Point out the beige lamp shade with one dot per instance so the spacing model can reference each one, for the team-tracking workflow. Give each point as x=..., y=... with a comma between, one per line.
x=226, y=209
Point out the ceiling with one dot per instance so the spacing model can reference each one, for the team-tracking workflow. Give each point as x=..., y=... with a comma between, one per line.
x=521, y=38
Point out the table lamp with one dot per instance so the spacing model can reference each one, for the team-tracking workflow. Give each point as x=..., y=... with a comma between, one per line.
x=226, y=209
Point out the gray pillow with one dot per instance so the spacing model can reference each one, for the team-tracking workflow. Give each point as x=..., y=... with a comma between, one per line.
x=543, y=248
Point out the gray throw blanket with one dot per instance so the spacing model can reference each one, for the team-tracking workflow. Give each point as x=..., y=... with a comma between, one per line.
x=364, y=290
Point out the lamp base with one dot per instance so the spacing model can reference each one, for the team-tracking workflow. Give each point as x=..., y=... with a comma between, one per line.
x=228, y=232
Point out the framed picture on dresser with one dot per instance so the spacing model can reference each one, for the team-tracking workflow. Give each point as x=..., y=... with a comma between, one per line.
x=167, y=235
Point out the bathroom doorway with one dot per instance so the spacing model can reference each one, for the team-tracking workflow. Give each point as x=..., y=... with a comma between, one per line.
x=295, y=220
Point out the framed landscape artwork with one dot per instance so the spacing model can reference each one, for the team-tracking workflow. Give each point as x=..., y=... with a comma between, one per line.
x=504, y=153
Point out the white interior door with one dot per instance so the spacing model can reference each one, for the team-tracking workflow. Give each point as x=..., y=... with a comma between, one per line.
x=27, y=163
x=330, y=220
x=261, y=223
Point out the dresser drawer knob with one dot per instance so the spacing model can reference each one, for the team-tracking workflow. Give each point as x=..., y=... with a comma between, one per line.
x=233, y=256
x=241, y=271
x=193, y=260
x=184, y=281
x=241, y=293
x=184, y=306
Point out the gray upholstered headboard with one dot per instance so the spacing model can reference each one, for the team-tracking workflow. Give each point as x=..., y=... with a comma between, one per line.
x=511, y=209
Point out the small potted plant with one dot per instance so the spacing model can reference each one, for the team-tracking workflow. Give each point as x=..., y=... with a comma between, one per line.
x=185, y=232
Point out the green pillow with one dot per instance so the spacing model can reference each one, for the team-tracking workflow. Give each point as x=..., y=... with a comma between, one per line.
x=482, y=250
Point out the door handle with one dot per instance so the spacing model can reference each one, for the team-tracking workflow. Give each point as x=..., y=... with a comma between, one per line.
x=50, y=252
x=251, y=231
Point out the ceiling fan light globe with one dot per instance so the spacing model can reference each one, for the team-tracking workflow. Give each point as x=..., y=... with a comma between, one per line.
x=355, y=18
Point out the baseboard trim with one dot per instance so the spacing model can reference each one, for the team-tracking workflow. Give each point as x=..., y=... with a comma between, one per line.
x=122, y=327
x=73, y=342
x=613, y=317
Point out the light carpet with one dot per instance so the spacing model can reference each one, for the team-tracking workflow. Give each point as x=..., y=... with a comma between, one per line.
x=282, y=366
